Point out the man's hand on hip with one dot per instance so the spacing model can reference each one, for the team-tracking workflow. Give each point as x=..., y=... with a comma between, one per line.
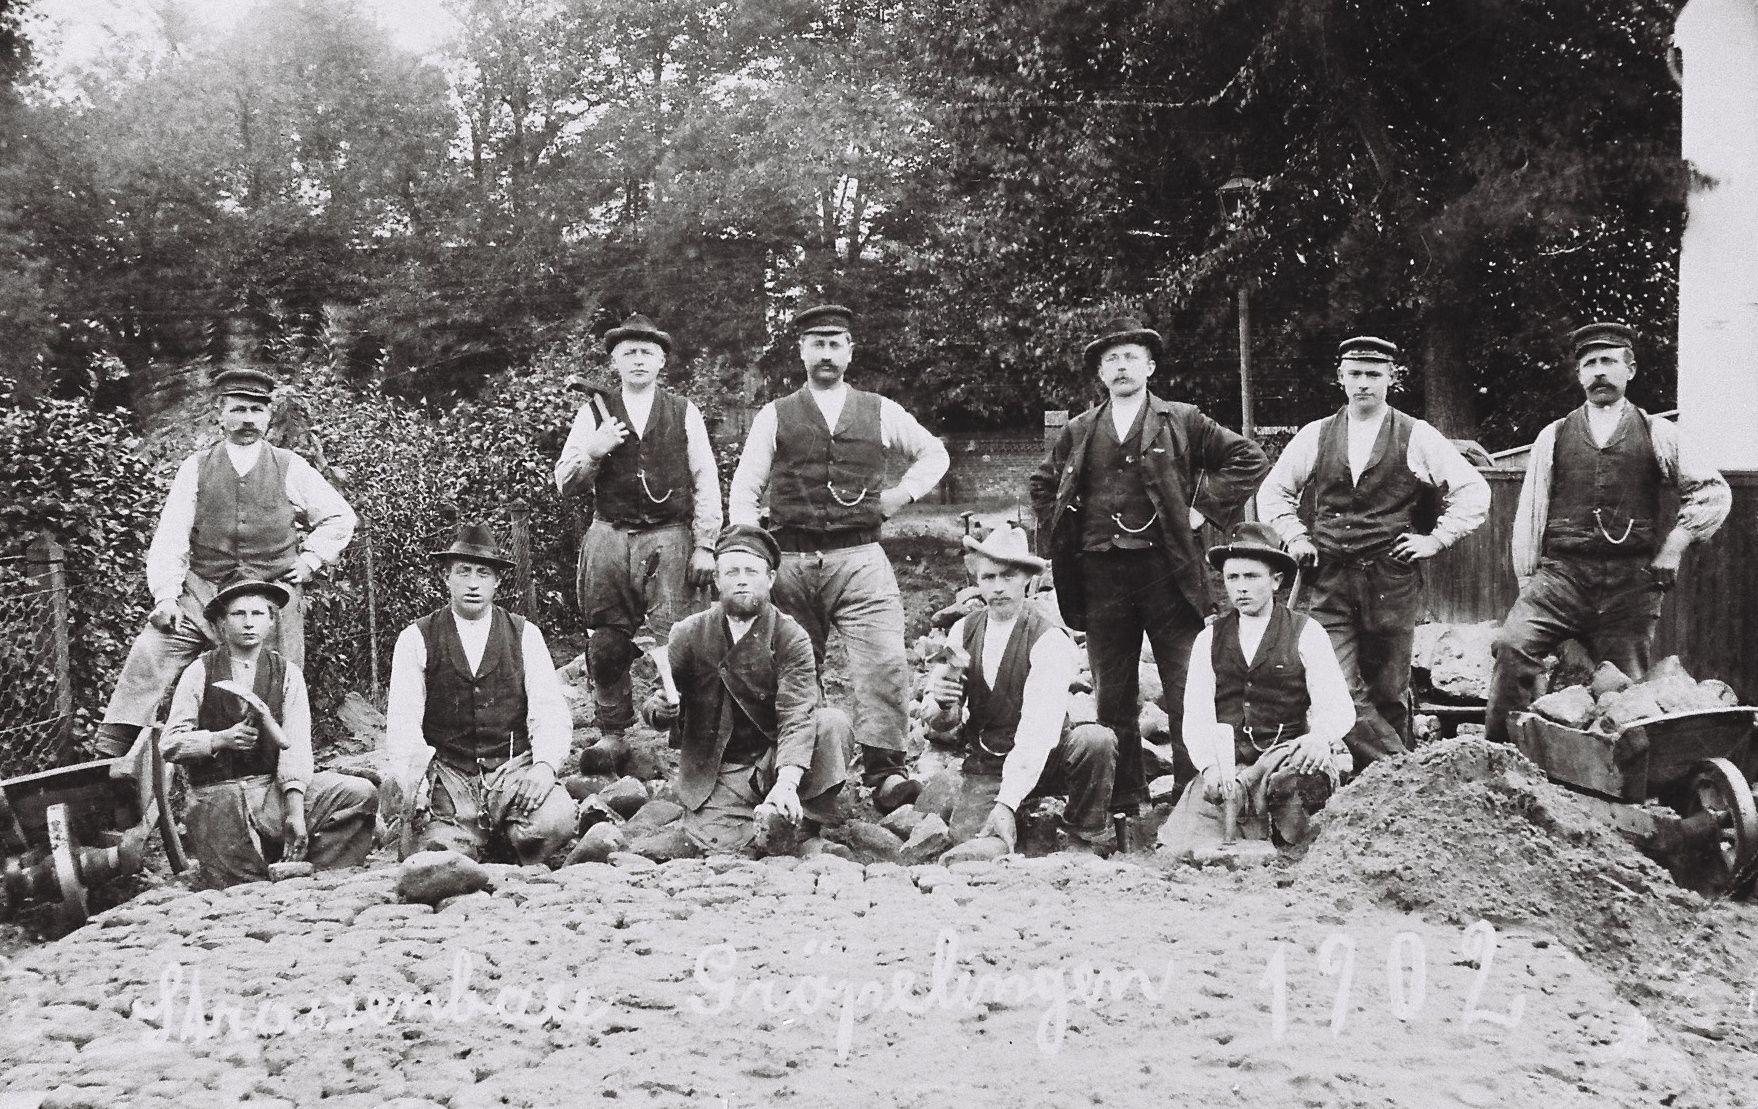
x=891, y=500
x=1411, y=547
x=166, y=616
x=534, y=785
x=299, y=574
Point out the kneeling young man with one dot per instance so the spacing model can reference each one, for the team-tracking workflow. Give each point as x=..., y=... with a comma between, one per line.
x=251, y=802
x=1266, y=707
x=476, y=684
x=748, y=722
x=1011, y=708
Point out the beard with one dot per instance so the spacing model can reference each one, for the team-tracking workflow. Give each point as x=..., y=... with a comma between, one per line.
x=743, y=607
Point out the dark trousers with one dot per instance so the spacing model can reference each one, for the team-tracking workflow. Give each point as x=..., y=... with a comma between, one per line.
x=1609, y=605
x=1368, y=608
x=1081, y=766
x=1129, y=593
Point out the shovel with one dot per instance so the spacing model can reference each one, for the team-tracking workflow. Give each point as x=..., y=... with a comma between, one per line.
x=270, y=726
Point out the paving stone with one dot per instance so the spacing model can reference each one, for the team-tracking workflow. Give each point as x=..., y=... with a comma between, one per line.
x=433, y=876
x=930, y=838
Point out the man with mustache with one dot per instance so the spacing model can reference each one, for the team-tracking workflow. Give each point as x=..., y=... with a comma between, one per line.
x=819, y=454
x=1587, y=549
x=752, y=735
x=238, y=508
x=1121, y=496
x=1348, y=497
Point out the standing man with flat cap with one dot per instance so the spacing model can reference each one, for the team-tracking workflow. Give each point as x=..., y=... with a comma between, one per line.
x=238, y=508
x=644, y=452
x=473, y=689
x=748, y=723
x=819, y=453
x=1121, y=496
x=1587, y=546
x=1349, y=496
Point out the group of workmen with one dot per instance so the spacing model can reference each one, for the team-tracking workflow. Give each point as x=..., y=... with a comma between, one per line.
x=1270, y=709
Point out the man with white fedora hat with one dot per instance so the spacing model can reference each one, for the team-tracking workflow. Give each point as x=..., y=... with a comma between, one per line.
x=1011, y=708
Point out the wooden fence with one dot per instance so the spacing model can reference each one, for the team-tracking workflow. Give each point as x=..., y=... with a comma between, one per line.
x=1709, y=620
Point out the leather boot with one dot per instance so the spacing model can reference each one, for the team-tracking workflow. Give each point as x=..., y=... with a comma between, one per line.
x=607, y=756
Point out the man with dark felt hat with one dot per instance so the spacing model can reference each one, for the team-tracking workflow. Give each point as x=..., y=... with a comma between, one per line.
x=1353, y=497
x=477, y=724
x=251, y=801
x=240, y=507
x=819, y=455
x=1265, y=704
x=754, y=740
x=643, y=452
x=1011, y=709
x=1121, y=495
x=1589, y=553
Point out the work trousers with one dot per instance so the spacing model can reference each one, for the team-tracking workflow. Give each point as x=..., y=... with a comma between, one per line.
x=854, y=591
x=1081, y=768
x=627, y=578
x=1610, y=606
x=1128, y=593
x=725, y=822
x=467, y=813
x=236, y=828
x=1368, y=608
x=156, y=658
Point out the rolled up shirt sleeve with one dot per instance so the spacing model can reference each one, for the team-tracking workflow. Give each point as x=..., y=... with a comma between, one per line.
x=901, y=431
x=575, y=467
x=1044, y=706
x=547, y=716
x=406, y=704
x=705, y=474
x=1278, y=499
x=1704, y=496
x=744, y=501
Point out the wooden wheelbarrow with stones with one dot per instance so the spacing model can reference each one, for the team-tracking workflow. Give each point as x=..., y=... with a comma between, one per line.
x=66, y=830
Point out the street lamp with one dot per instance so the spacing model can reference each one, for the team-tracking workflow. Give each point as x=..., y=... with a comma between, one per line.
x=1235, y=195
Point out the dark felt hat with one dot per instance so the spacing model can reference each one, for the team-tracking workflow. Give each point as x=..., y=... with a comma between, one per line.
x=475, y=543
x=243, y=382
x=823, y=318
x=1251, y=539
x=1124, y=329
x=1367, y=348
x=637, y=326
x=750, y=540
x=277, y=594
x=1599, y=335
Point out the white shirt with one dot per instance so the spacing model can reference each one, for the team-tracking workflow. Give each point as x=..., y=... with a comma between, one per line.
x=1332, y=714
x=184, y=741
x=1124, y=412
x=1053, y=666
x=547, y=717
x=1432, y=458
x=1361, y=436
x=898, y=430
x=737, y=628
x=332, y=521
x=575, y=468
x=1602, y=422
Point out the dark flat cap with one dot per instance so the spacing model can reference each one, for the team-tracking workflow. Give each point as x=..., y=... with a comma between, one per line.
x=242, y=382
x=823, y=318
x=277, y=594
x=1367, y=348
x=750, y=540
x=637, y=326
x=1597, y=335
x=1124, y=329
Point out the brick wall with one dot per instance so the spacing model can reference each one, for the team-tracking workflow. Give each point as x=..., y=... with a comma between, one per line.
x=990, y=467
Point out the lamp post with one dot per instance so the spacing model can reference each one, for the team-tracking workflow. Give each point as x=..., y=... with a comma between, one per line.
x=1234, y=195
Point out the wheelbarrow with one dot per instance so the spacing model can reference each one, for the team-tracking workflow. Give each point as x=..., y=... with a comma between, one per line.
x=67, y=830
x=1677, y=786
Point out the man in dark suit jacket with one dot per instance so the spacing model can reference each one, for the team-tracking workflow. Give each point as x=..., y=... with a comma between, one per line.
x=1121, y=496
x=754, y=741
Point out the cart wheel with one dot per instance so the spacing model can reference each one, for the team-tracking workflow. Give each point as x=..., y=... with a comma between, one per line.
x=65, y=852
x=161, y=772
x=1718, y=787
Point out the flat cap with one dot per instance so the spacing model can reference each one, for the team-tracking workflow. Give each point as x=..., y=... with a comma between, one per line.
x=823, y=318
x=637, y=326
x=749, y=540
x=1594, y=336
x=1367, y=348
x=242, y=382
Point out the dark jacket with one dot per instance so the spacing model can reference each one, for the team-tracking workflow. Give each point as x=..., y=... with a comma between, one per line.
x=1188, y=461
x=770, y=673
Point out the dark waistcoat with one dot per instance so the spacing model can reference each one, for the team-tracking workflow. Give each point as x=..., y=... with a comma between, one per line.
x=994, y=713
x=481, y=715
x=243, y=524
x=646, y=480
x=1362, y=519
x=1114, y=489
x=220, y=710
x=824, y=480
x=1271, y=690
x=1604, y=502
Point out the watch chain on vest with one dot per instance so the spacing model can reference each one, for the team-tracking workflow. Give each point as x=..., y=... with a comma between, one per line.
x=244, y=525
x=993, y=717
x=646, y=480
x=1604, y=502
x=824, y=481
x=1116, y=508
x=220, y=710
x=475, y=716
x=1266, y=701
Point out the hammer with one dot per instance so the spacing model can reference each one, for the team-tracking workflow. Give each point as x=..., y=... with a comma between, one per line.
x=270, y=726
x=966, y=517
x=661, y=657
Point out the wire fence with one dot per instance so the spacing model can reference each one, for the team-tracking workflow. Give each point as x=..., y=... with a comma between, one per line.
x=36, y=694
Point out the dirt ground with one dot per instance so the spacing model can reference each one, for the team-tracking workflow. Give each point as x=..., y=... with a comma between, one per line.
x=1356, y=975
